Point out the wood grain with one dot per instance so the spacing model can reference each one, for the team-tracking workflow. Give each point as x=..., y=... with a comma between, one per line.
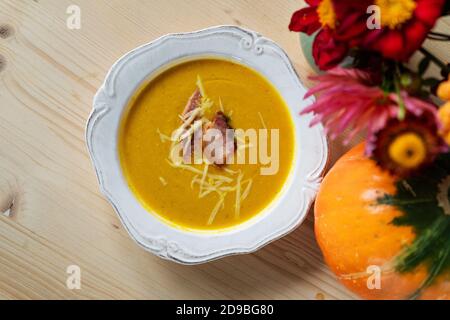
x=55, y=215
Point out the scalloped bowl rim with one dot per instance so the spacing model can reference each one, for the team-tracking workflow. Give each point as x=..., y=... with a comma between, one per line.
x=136, y=68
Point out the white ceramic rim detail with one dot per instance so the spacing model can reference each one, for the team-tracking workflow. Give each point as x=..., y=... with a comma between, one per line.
x=282, y=216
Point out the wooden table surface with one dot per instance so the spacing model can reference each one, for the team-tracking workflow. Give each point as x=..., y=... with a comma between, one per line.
x=54, y=215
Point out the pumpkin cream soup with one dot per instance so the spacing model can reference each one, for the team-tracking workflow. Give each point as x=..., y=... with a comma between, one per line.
x=207, y=144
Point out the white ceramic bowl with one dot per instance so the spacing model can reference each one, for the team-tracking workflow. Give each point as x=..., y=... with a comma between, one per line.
x=283, y=215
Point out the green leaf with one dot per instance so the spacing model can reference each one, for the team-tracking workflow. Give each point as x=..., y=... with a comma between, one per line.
x=416, y=197
x=430, y=82
x=446, y=8
x=423, y=65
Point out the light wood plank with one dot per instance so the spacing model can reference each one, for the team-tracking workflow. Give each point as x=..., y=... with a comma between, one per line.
x=57, y=217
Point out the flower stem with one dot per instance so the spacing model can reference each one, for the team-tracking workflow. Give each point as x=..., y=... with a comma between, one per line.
x=401, y=104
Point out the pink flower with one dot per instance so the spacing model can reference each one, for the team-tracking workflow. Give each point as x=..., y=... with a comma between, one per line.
x=349, y=99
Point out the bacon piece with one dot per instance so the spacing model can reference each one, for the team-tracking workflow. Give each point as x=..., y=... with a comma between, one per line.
x=193, y=102
x=223, y=132
x=189, y=116
x=220, y=122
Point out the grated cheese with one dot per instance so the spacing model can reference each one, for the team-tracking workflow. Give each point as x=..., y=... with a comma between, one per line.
x=163, y=181
x=237, y=205
x=189, y=132
x=186, y=124
x=202, y=182
x=216, y=209
x=197, y=171
x=247, y=189
x=206, y=104
x=200, y=86
x=163, y=136
x=227, y=170
x=193, y=181
x=262, y=120
x=221, y=105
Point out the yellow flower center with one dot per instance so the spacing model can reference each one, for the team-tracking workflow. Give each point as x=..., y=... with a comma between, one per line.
x=395, y=12
x=408, y=150
x=327, y=17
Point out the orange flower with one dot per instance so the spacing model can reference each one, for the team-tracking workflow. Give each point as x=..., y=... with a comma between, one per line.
x=444, y=117
x=443, y=90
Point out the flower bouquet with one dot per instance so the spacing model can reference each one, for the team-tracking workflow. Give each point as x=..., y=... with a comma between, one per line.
x=405, y=116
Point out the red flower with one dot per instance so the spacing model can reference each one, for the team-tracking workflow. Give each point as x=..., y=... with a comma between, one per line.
x=327, y=51
x=404, y=27
x=306, y=20
x=352, y=19
x=320, y=15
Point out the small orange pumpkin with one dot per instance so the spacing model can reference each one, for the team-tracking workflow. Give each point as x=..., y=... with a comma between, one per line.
x=355, y=233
